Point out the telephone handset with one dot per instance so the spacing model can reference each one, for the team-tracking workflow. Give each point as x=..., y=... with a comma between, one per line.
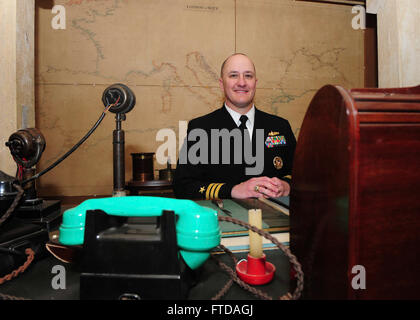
x=197, y=227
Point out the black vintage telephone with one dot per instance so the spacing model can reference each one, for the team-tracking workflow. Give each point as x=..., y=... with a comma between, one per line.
x=25, y=219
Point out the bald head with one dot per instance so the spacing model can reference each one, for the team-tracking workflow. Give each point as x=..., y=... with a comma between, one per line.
x=229, y=58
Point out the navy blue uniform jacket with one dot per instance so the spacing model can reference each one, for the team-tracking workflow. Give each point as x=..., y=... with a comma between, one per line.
x=210, y=178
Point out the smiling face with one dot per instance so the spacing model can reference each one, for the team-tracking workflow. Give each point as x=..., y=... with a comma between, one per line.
x=238, y=82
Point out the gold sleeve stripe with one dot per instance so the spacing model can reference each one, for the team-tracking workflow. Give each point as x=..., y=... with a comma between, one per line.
x=213, y=191
x=216, y=191
x=288, y=177
x=211, y=197
x=209, y=187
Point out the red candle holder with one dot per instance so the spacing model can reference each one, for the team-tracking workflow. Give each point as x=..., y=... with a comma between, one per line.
x=255, y=271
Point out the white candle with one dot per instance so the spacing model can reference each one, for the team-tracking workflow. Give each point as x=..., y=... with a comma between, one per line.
x=255, y=240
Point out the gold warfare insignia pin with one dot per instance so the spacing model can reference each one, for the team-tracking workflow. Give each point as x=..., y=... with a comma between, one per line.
x=272, y=133
x=278, y=163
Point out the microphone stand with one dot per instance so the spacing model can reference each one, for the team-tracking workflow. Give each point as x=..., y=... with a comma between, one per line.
x=119, y=157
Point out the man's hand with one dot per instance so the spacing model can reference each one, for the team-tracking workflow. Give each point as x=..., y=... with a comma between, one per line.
x=261, y=187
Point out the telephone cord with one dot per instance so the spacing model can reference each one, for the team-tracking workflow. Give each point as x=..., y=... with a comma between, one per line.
x=234, y=278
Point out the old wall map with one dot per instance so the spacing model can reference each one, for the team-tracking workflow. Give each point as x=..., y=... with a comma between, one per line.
x=169, y=53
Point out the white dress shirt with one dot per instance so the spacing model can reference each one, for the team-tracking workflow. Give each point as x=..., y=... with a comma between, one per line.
x=249, y=123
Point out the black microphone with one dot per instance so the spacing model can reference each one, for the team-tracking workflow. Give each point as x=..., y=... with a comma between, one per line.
x=122, y=100
x=121, y=93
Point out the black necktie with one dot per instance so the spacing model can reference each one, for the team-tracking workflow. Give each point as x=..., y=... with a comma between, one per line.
x=246, y=137
x=243, y=119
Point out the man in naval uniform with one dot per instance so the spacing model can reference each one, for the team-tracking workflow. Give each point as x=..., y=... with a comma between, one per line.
x=236, y=151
